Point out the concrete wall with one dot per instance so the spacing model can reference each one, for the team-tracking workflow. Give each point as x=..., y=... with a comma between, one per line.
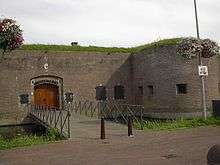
x=81, y=73
x=163, y=69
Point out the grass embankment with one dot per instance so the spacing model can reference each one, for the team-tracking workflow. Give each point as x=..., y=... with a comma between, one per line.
x=29, y=140
x=156, y=124
x=42, y=47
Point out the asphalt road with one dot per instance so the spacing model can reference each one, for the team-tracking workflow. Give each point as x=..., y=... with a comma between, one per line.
x=182, y=147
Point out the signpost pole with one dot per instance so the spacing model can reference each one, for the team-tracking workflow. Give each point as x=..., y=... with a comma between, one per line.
x=200, y=63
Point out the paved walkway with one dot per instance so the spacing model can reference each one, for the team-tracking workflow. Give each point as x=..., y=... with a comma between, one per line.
x=183, y=147
x=89, y=128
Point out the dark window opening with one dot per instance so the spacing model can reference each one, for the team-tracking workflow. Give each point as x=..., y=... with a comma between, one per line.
x=24, y=98
x=100, y=93
x=119, y=92
x=150, y=90
x=69, y=97
x=181, y=88
x=140, y=89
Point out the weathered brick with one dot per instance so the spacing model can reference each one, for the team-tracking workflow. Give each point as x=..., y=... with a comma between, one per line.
x=83, y=71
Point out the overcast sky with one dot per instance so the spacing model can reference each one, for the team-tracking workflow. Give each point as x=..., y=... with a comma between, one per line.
x=111, y=22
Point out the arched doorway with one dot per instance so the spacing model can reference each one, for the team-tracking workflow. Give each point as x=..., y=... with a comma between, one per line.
x=46, y=95
x=47, y=90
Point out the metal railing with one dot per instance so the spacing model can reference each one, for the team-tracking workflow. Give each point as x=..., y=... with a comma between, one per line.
x=119, y=112
x=110, y=110
x=84, y=107
x=58, y=119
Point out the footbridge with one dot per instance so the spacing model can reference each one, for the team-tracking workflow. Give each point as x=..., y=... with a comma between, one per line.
x=82, y=118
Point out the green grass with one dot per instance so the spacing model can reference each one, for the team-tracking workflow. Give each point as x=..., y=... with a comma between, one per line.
x=157, y=44
x=43, y=47
x=156, y=124
x=75, y=48
x=29, y=140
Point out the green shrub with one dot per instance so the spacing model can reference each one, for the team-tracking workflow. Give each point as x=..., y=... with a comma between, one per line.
x=53, y=135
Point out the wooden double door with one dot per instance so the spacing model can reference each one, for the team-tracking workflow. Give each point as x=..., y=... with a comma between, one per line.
x=46, y=95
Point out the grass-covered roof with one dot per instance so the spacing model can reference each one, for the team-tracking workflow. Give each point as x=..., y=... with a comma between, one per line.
x=43, y=47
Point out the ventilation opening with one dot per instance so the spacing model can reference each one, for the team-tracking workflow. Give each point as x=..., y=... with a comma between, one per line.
x=181, y=88
x=140, y=90
x=100, y=93
x=150, y=90
x=119, y=92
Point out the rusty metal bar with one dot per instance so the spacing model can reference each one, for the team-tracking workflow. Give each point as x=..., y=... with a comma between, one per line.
x=130, y=126
x=55, y=117
x=69, y=133
x=43, y=110
x=61, y=121
x=102, y=128
x=141, y=117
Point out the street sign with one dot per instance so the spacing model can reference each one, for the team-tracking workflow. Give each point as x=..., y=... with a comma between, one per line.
x=203, y=70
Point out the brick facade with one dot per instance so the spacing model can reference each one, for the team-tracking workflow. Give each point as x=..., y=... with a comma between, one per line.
x=163, y=69
x=81, y=73
x=160, y=69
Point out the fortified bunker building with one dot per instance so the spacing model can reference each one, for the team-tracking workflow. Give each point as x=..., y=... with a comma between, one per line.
x=155, y=76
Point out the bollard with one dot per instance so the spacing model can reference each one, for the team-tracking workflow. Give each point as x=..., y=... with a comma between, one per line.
x=130, y=134
x=68, y=122
x=102, y=128
x=142, y=127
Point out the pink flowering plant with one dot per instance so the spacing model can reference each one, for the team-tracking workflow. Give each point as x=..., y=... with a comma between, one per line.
x=191, y=47
x=10, y=35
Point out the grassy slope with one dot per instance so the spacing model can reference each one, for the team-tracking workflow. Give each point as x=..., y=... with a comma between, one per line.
x=179, y=123
x=164, y=42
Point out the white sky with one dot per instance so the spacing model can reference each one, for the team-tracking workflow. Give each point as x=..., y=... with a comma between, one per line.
x=111, y=22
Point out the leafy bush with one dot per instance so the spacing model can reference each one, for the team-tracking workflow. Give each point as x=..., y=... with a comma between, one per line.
x=10, y=35
x=192, y=47
x=210, y=48
x=53, y=135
